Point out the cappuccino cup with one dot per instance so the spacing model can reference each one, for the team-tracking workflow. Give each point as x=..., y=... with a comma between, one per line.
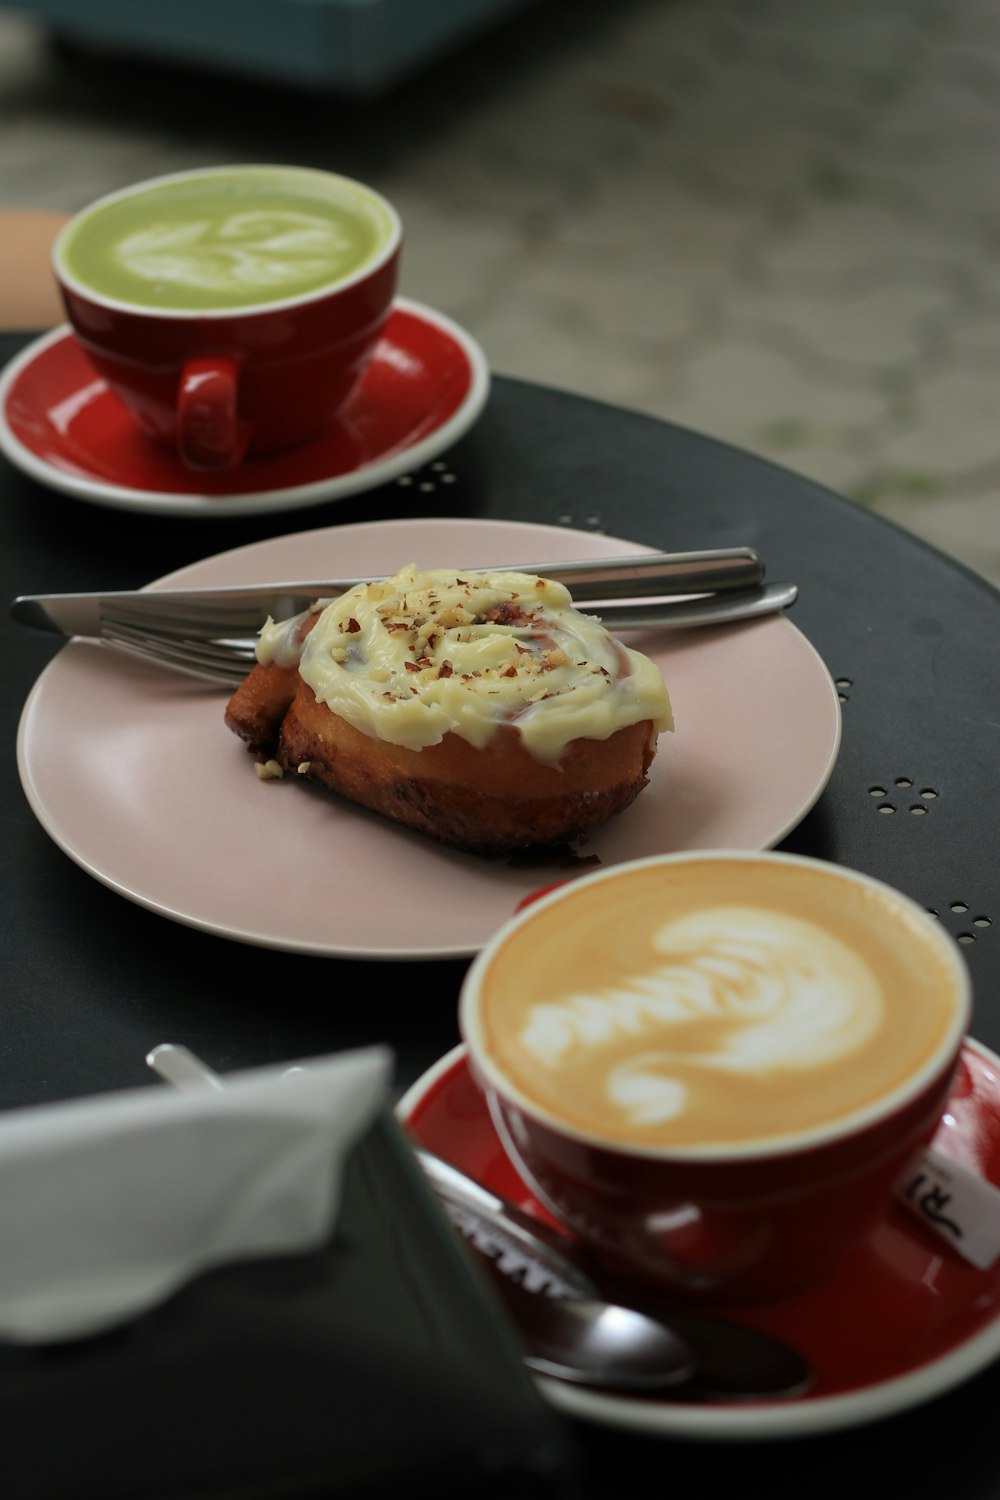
x=231, y=309
x=712, y=1067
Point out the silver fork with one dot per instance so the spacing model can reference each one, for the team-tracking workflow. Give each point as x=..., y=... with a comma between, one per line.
x=210, y=634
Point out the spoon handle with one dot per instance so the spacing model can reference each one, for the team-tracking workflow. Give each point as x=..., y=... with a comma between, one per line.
x=521, y=1247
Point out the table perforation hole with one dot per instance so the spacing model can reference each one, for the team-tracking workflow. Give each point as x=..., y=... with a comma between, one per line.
x=842, y=684
x=429, y=478
x=880, y=792
x=592, y=522
x=965, y=922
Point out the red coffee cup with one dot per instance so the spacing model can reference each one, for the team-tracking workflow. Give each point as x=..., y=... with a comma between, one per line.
x=713, y=1067
x=270, y=363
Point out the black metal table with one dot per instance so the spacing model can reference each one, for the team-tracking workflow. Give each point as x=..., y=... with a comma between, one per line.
x=909, y=636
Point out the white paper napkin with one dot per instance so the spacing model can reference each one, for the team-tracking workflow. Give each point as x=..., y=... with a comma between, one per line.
x=109, y=1204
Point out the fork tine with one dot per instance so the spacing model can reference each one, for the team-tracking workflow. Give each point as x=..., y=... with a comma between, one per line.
x=207, y=649
x=223, y=662
x=218, y=676
x=197, y=632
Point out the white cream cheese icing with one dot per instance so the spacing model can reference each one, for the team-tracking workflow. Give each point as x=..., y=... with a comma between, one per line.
x=424, y=654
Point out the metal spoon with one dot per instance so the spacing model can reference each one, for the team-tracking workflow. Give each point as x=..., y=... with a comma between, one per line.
x=569, y=1328
x=573, y=1331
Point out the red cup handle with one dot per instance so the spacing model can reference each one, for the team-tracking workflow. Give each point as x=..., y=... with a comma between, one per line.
x=209, y=432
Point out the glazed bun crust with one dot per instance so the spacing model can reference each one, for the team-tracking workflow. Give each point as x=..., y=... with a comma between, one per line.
x=260, y=703
x=490, y=801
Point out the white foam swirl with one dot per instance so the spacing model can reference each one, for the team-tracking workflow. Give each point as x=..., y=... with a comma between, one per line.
x=250, y=250
x=781, y=992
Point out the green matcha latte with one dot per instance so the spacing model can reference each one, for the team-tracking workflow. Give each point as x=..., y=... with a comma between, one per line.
x=227, y=238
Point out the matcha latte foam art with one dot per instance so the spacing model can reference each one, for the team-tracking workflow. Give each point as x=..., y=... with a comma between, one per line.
x=230, y=238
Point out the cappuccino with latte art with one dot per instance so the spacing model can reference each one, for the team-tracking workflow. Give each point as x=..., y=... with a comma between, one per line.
x=713, y=1067
x=714, y=1003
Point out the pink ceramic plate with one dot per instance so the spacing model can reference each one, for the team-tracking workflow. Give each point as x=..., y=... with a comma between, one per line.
x=133, y=773
x=937, y=1317
x=427, y=382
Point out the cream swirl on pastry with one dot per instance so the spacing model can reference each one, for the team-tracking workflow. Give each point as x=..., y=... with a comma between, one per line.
x=426, y=653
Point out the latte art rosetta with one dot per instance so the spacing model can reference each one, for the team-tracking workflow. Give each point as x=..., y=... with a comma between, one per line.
x=701, y=1003
x=736, y=990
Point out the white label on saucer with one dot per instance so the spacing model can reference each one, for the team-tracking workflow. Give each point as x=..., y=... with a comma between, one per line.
x=958, y=1205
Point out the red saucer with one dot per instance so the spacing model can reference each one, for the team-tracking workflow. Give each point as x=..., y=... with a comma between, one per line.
x=931, y=1318
x=427, y=382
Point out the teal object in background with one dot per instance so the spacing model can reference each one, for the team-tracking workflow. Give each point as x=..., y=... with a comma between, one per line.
x=357, y=48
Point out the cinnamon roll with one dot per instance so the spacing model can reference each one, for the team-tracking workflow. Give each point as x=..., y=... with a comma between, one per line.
x=481, y=709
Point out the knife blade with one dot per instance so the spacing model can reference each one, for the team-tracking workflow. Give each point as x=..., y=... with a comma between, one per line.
x=245, y=608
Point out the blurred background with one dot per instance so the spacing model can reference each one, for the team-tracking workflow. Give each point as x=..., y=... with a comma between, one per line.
x=774, y=222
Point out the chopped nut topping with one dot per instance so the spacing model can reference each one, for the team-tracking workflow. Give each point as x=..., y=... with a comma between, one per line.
x=457, y=615
x=507, y=613
x=268, y=770
x=303, y=767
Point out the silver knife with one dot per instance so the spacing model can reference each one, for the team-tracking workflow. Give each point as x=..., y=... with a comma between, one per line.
x=243, y=609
